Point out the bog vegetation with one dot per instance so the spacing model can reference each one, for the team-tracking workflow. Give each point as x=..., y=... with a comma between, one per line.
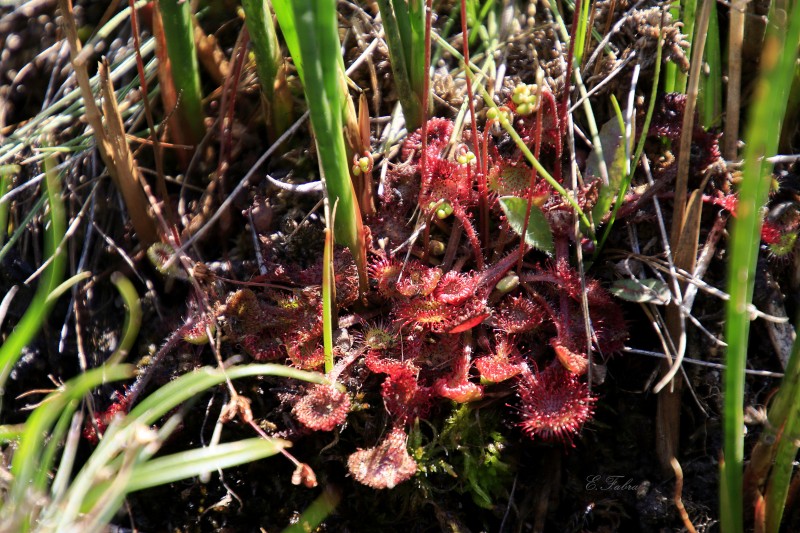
x=481, y=264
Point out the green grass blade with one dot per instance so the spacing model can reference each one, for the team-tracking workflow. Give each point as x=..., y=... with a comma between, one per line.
x=37, y=312
x=780, y=475
x=285, y=16
x=192, y=463
x=27, y=456
x=316, y=24
x=67, y=284
x=133, y=317
x=63, y=473
x=187, y=386
x=32, y=212
x=328, y=297
x=6, y=172
x=416, y=56
x=179, y=33
x=710, y=97
x=123, y=451
x=777, y=441
x=581, y=32
x=313, y=516
x=398, y=35
x=269, y=66
x=265, y=43
x=764, y=126
x=51, y=448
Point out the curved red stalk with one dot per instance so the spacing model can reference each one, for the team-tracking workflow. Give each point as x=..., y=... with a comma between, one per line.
x=568, y=76
x=461, y=215
x=161, y=184
x=562, y=254
x=423, y=164
x=551, y=100
x=482, y=188
x=537, y=146
x=225, y=125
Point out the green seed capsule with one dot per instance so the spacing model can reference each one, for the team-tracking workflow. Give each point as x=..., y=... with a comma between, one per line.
x=444, y=210
x=508, y=283
x=524, y=109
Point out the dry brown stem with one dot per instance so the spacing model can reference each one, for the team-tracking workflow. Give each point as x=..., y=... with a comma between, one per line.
x=109, y=133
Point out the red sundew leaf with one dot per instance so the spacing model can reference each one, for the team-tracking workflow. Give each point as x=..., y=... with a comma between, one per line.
x=383, y=362
x=403, y=397
x=263, y=348
x=455, y=288
x=438, y=130
x=427, y=313
x=503, y=363
x=469, y=323
x=509, y=179
x=437, y=352
x=92, y=431
x=554, y=404
x=519, y=315
x=771, y=233
x=496, y=370
x=243, y=313
x=305, y=356
x=418, y=280
x=385, y=272
x=196, y=331
x=322, y=408
x=459, y=390
x=384, y=466
x=576, y=363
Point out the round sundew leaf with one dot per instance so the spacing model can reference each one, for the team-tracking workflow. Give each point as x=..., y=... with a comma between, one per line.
x=384, y=466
